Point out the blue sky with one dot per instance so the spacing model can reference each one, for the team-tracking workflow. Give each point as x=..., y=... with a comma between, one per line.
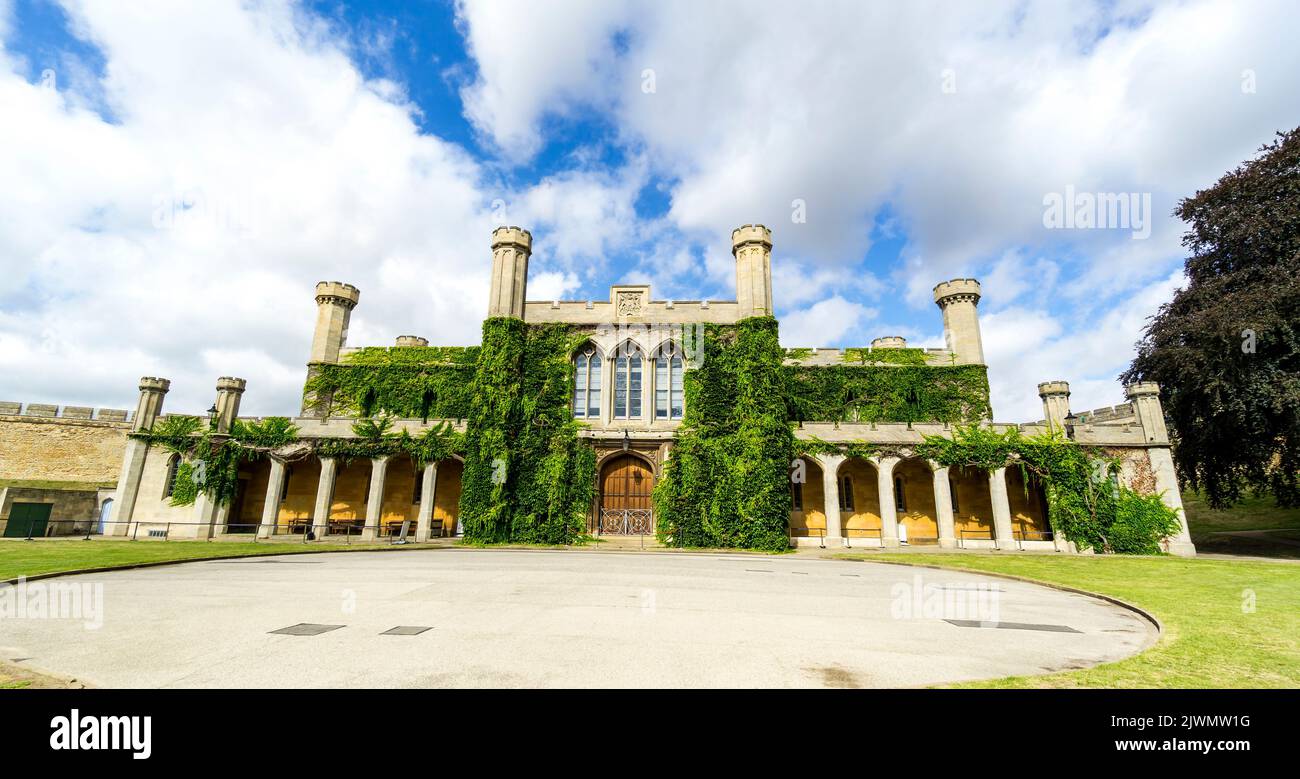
x=201, y=167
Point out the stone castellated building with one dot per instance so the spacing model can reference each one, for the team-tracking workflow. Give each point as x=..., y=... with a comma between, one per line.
x=627, y=391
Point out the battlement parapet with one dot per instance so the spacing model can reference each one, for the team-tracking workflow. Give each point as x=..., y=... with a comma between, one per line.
x=747, y=234
x=1121, y=413
x=512, y=236
x=11, y=409
x=956, y=290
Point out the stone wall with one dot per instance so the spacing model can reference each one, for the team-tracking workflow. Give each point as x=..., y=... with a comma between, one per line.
x=46, y=446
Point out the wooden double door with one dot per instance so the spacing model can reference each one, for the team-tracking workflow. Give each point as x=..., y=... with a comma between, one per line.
x=626, y=496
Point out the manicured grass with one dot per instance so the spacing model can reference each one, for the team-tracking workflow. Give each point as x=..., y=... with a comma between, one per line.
x=1208, y=526
x=1250, y=514
x=28, y=558
x=1210, y=637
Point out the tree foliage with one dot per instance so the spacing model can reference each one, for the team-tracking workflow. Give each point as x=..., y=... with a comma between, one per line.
x=1226, y=349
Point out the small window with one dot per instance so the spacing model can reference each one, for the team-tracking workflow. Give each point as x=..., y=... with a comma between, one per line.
x=173, y=466
x=284, y=490
x=846, y=493
x=952, y=491
x=900, y=494
x=796, y=495
x=418, y=494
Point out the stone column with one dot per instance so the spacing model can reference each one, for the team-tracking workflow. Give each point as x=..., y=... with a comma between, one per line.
x=830, y=465
x=888, y=511
x=375, y=502
x=943, y=509
x=428, y=494
x=1145, y=397
x=212, y=519
x=147, y=410
x=1002, y=534
x=271, y=509
x=324, y=496
x=206, y=512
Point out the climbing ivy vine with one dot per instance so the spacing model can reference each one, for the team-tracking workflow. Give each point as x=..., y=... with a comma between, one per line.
x=727, y=481
x=528, y=478
x=409, y=382
x=1086, y=502
x=210, y=461
x=887, y=393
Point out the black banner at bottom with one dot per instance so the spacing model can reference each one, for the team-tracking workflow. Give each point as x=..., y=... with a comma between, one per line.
x=302, y=729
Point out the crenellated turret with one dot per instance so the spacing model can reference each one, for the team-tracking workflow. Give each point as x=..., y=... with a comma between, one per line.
x=961, y=325
x=751, y=245
x=511, y=248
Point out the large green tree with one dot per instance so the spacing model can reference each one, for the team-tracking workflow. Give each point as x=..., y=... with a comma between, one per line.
x=1226, y=349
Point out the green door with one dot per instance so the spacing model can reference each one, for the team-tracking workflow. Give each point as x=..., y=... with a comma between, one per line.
x=25, y=516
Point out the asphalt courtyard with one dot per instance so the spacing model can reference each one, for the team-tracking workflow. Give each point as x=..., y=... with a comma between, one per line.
x=523, y=618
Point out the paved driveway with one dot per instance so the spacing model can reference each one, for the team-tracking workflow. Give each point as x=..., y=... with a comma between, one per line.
x=506, y=618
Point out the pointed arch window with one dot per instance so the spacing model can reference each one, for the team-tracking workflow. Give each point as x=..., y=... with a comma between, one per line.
x=173, y=469
x=627, y=382
x=587, y=383
x=668, y=382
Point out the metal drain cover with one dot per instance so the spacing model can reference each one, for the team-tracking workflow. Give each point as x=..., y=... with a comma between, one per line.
x=405, y=630
x=305, y=629
x=975, y=623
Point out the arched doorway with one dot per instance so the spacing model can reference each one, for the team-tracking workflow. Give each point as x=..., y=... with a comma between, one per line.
x=626, y=485
x=105, y=511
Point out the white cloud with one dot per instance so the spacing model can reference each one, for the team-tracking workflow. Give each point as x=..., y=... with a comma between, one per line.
x=269, y=162
x=534, y=58
x=823, y=323
x=842, y=105
x=280, y=164
x=1024, y=347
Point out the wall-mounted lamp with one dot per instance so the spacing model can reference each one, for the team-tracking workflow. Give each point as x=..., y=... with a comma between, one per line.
x=627, y=441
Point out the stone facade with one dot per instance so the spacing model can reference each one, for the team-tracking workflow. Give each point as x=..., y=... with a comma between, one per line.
x=839, y=501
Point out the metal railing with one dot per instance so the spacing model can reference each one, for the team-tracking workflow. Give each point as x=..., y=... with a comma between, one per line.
x=980, y=535
x=1021, y=537
x=863, y=532
x=131, y=530
x=810, y=532
x=626, y=522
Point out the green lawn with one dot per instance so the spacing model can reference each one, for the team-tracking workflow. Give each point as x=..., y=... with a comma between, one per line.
x=28, y=558
x=1207, y=525
x=1210, y=639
